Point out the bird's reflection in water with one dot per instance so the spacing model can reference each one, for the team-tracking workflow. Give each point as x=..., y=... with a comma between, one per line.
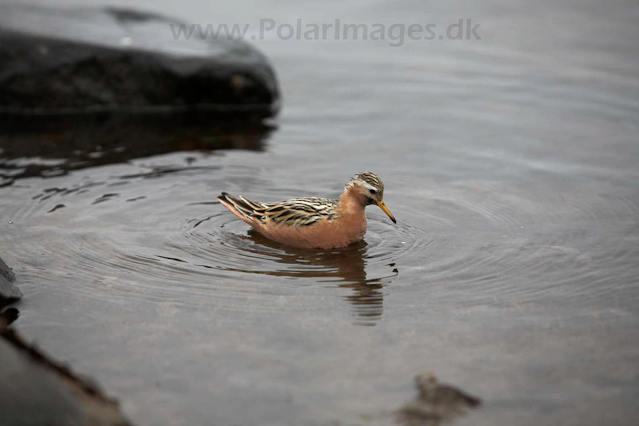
x=345, y=267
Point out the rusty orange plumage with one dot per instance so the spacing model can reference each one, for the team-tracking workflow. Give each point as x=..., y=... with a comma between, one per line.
x=314, y=222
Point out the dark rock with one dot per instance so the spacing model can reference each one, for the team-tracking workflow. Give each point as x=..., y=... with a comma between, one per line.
x=8, y=291
x=6, y=272
x=7, y=317
x=37, y=391
x=436, y=403
x=87, y=60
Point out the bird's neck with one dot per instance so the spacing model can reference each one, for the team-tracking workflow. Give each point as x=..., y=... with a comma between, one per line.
x=351, y=217
x=352, y=203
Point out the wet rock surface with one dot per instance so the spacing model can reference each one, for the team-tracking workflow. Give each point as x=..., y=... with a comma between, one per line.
x=436, y=403
x=39, y=391
x=8, y=291
x=78, y=60
x=7, y=317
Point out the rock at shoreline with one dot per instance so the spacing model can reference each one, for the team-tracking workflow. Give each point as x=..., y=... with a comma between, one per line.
x=37, y=391
x=89, y=60
x=8, y=291
x=436, y=403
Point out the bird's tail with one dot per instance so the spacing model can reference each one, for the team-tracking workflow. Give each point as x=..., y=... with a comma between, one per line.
x=240, y=207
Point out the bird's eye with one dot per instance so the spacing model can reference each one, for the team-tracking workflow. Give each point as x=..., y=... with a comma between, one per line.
x=373, y=191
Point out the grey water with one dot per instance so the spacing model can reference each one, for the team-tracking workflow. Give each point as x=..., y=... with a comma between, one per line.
x=510, y=163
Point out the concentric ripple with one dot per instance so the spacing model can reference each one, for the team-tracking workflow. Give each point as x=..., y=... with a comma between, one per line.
x=134, y=235
x=137, y=235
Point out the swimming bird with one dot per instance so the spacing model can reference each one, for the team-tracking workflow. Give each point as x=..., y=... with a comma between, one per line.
x=314, y=222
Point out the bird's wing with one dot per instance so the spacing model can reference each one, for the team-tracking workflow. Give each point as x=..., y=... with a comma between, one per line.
x=295, y=212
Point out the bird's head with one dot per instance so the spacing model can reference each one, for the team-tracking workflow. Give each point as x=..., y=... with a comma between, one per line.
x=371, y=187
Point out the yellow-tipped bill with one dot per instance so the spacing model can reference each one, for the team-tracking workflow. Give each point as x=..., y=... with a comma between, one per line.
x=383, y=207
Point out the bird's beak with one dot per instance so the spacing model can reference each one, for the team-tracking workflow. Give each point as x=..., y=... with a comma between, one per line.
x=383, y=207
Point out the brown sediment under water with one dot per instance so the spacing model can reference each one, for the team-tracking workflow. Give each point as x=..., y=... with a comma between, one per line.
x=509, y=162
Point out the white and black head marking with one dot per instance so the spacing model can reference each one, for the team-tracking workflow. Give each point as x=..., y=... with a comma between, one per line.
x=370, y=186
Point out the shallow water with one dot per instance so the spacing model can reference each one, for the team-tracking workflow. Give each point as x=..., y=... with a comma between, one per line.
x=510, y=164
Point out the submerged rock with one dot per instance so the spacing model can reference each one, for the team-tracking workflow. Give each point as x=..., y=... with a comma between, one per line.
x=436, y=403
x=36, y=391
x=8, y=291
x=87, y=60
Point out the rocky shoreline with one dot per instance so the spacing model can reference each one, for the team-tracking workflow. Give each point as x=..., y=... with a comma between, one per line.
x=9, y=292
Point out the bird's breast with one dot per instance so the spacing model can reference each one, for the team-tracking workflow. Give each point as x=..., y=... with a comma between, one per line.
x=352, y=226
